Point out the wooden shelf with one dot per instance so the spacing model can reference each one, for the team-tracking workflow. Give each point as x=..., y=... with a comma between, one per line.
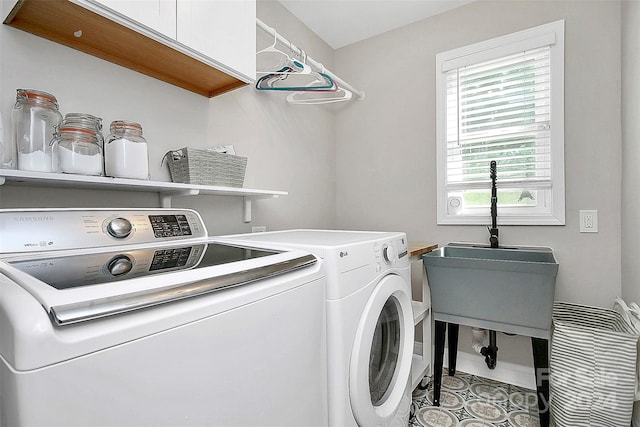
x=167, y=190
x=419, y=249
x=152, y=54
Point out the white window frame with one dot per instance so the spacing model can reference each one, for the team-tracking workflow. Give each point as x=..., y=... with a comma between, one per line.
x=552, y=200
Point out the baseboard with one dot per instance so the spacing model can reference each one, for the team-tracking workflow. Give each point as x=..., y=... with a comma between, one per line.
x=506, y=372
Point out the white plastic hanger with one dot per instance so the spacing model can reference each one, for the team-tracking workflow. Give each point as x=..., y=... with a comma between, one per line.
x=271, y=59
x=319, y=97
x=275, y=61
x=290, y=79
x=297, y=52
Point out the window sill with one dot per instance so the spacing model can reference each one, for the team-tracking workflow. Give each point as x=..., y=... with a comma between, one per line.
x=502, y=220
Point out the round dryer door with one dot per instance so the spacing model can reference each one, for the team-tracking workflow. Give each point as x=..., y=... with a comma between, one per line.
x=381, y=361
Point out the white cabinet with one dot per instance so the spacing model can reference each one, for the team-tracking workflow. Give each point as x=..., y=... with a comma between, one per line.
x=205, y=46
x=223, y=30
x=219, y=32
x=159, y=15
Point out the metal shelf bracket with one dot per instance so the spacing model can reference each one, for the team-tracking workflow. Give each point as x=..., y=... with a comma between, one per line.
x=246, y=209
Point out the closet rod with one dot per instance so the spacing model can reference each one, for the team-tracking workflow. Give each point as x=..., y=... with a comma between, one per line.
x=318, y=66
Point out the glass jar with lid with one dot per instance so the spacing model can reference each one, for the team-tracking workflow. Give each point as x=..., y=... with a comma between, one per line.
x=7, y=150
x=35, y=119
x=126, y=154
x=78, y=151
x=85, y=121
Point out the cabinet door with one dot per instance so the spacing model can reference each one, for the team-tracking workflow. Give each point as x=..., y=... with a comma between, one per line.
x=159, y=15
x=223, y=31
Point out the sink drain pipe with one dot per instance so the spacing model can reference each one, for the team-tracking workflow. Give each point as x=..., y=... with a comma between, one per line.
x=489, y=352
x=477, y=339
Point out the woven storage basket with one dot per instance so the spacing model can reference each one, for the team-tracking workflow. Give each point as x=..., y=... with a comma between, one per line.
x=203, y=167
x=593, y=367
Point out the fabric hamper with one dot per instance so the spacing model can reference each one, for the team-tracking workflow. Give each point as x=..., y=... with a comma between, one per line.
x=592, y=368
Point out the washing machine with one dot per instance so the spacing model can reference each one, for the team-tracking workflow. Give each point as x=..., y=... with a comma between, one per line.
x=370, y=327
x=135, y=317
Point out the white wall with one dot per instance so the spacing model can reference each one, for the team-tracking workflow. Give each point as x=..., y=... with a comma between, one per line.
x=290, y=148
x=386, y=147
x=630, y=150
x=386, y=143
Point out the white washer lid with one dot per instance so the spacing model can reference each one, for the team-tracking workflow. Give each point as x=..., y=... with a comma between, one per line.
x=327, y=238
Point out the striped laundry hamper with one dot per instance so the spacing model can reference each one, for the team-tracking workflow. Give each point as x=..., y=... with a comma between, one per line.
x=631, y=313
x=592, y=368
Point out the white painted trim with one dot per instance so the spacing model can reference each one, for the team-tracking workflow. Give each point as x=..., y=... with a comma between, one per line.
x=502, y=219
x=531, y=38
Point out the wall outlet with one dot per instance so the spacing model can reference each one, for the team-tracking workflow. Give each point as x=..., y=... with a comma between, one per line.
x=589, y=221
x=260, y=229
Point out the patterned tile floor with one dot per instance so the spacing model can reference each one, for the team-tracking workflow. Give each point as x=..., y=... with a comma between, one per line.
x=472, y=401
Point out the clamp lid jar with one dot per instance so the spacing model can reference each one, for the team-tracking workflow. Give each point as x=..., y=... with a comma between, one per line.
x=35, y=119
x=126, y=153
x=85, y=121
x=78, y=151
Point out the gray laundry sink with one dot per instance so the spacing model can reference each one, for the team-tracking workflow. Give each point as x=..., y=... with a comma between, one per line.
x=508, y=289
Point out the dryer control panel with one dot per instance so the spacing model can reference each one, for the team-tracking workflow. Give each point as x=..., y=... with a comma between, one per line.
x=57, y=229
x=392, y=253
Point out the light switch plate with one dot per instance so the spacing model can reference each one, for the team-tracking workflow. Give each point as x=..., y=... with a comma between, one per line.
x=588, y=221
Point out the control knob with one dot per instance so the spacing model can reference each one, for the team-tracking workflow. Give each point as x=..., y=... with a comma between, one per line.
x=119, y=265
x=389, y=254
x=119, y=228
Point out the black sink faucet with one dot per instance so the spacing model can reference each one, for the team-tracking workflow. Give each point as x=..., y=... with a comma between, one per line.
x=493, y=231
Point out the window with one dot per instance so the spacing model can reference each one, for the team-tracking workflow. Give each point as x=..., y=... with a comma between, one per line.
x=502, y=100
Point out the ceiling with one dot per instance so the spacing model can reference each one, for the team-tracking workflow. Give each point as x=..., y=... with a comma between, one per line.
x=343, y=22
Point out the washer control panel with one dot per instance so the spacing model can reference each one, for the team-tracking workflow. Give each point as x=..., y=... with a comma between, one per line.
x=57, y=229
x=119, y=228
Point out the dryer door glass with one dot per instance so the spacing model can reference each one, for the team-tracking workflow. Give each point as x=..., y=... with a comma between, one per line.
x=380, y=365
x=385, y=349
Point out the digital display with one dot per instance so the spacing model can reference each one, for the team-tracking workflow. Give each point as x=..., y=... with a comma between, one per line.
x=170, y=258
x=170, y=225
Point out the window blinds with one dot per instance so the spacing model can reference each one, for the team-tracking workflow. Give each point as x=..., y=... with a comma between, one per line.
x=499, y=110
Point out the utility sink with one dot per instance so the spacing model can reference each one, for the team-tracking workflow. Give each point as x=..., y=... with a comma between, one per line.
x=509, y=289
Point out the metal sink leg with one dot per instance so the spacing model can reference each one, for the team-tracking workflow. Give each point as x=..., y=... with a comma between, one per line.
x=440, y=330
x=453, y=347
x=540, y=348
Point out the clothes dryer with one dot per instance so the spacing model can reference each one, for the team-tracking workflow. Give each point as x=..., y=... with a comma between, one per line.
x=369, y=321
